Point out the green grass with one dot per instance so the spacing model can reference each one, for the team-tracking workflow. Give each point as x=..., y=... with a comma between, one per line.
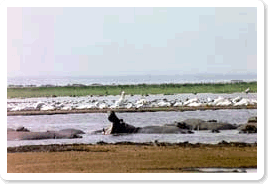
x=142, y=89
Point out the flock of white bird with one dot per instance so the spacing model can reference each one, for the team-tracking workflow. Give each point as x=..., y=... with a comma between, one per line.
x=123, y=102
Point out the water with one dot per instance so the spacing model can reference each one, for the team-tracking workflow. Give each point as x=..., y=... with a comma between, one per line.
x=247, y=170
x=95, y=121
x=138, y=79
x=91, y=122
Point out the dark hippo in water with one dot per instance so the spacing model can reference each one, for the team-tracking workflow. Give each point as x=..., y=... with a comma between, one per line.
x=250, y=126
x=27, y=135
x=22, y=129
x=118, y=126
x=198, y=124
x=70, y=130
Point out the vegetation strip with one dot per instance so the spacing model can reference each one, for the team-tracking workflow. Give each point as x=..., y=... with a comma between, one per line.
x=142, y=89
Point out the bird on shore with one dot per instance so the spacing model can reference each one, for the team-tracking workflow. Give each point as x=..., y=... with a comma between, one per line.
x=247, y=90
x=121, y=100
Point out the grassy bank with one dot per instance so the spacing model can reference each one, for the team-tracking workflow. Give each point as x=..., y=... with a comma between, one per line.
x=142, y=89
x=130, y=158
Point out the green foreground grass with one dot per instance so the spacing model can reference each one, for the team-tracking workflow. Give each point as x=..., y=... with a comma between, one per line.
x=142, y=89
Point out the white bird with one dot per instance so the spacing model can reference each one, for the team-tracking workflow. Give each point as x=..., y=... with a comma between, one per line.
x=218, y=100
x=253, y=102
x=190, y=101
x=66, y=108
x=139, y=105
x=47, y=108
x=237, y=99
x=209, y=100
x=142, y=101
x=226, y=102
x=121, y=100
x=38, y=105
x=194, y=104
x=247, y=90
x=177, y=104
x=82, y=107
x=129, y=105
x=103, y=105
x=244, y=101
x=163, y=104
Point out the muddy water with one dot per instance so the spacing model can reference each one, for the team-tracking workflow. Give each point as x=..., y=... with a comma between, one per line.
x=94, y=121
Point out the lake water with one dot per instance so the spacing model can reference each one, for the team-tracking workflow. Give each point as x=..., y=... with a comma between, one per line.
x=129, y=79
x=95, y=121
x=90, y=122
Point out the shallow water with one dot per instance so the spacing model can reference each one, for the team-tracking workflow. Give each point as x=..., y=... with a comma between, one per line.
x=247, y=170
x=95, y=121
x=127, y=79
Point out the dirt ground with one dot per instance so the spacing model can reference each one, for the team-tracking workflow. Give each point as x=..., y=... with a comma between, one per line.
x=130, y=158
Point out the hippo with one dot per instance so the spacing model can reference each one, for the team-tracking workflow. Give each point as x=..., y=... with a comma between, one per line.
x=250, y=126
x=118, y=126
x=198, y=124
x=70, y=130
x=22, y=129
x=27, y=135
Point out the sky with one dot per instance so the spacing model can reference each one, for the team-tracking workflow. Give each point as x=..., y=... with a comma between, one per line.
x=131, y=41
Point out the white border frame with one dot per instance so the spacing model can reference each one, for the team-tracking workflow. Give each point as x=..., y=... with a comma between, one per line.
x=140, y=3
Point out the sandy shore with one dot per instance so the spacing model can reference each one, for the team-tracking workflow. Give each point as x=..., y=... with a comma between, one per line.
x=21, y=113
x=129, y=157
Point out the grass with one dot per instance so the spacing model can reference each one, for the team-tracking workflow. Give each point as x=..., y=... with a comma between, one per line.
x=131, y=159
x=142, y=89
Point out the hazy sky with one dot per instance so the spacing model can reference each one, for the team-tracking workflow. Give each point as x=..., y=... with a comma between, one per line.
x=131, y=41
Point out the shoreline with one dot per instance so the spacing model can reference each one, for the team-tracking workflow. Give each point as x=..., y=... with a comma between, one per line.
x=83, y=147
x=155, y=109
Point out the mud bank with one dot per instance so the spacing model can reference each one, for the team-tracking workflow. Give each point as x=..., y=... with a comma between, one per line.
x=127, y=157
x=83, y=147
x=26, y=113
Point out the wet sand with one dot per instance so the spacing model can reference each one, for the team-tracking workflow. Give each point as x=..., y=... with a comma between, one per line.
x=128, y=157
x=26, y=113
